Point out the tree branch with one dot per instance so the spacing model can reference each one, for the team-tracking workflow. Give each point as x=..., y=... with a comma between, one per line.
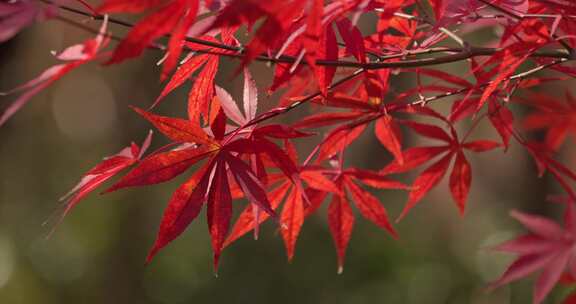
x=458, y=54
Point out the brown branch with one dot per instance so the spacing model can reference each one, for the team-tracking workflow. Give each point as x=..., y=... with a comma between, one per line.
x=458, y=54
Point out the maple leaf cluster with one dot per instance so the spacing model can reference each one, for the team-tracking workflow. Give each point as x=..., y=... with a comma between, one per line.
x=319, y=56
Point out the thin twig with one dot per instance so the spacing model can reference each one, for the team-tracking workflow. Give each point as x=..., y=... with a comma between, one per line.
x=520, y=16
x=458, y=55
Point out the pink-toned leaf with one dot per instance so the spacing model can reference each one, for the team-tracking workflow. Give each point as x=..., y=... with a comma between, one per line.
x=528, y=244
x=16, y=15
x=250, y=96
x=539, y=225
x=524, y=266
x=550, y=276
x=230, y=107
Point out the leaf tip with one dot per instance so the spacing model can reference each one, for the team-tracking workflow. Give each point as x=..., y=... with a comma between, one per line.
x=393, y=233
x=402, y=215
x=461, y=210
x=151, y=254
x=111, y=189
x=136, y=109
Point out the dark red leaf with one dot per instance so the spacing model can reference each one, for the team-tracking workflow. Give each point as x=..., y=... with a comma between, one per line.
x=219, y=209
x=249, y=183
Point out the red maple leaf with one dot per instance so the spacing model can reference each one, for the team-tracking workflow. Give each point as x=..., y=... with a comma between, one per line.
x=293, y=211
x=322, y=182
x=212, y=183
x=461, y=176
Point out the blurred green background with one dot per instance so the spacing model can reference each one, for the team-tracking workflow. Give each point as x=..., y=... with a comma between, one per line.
x=97, y=254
